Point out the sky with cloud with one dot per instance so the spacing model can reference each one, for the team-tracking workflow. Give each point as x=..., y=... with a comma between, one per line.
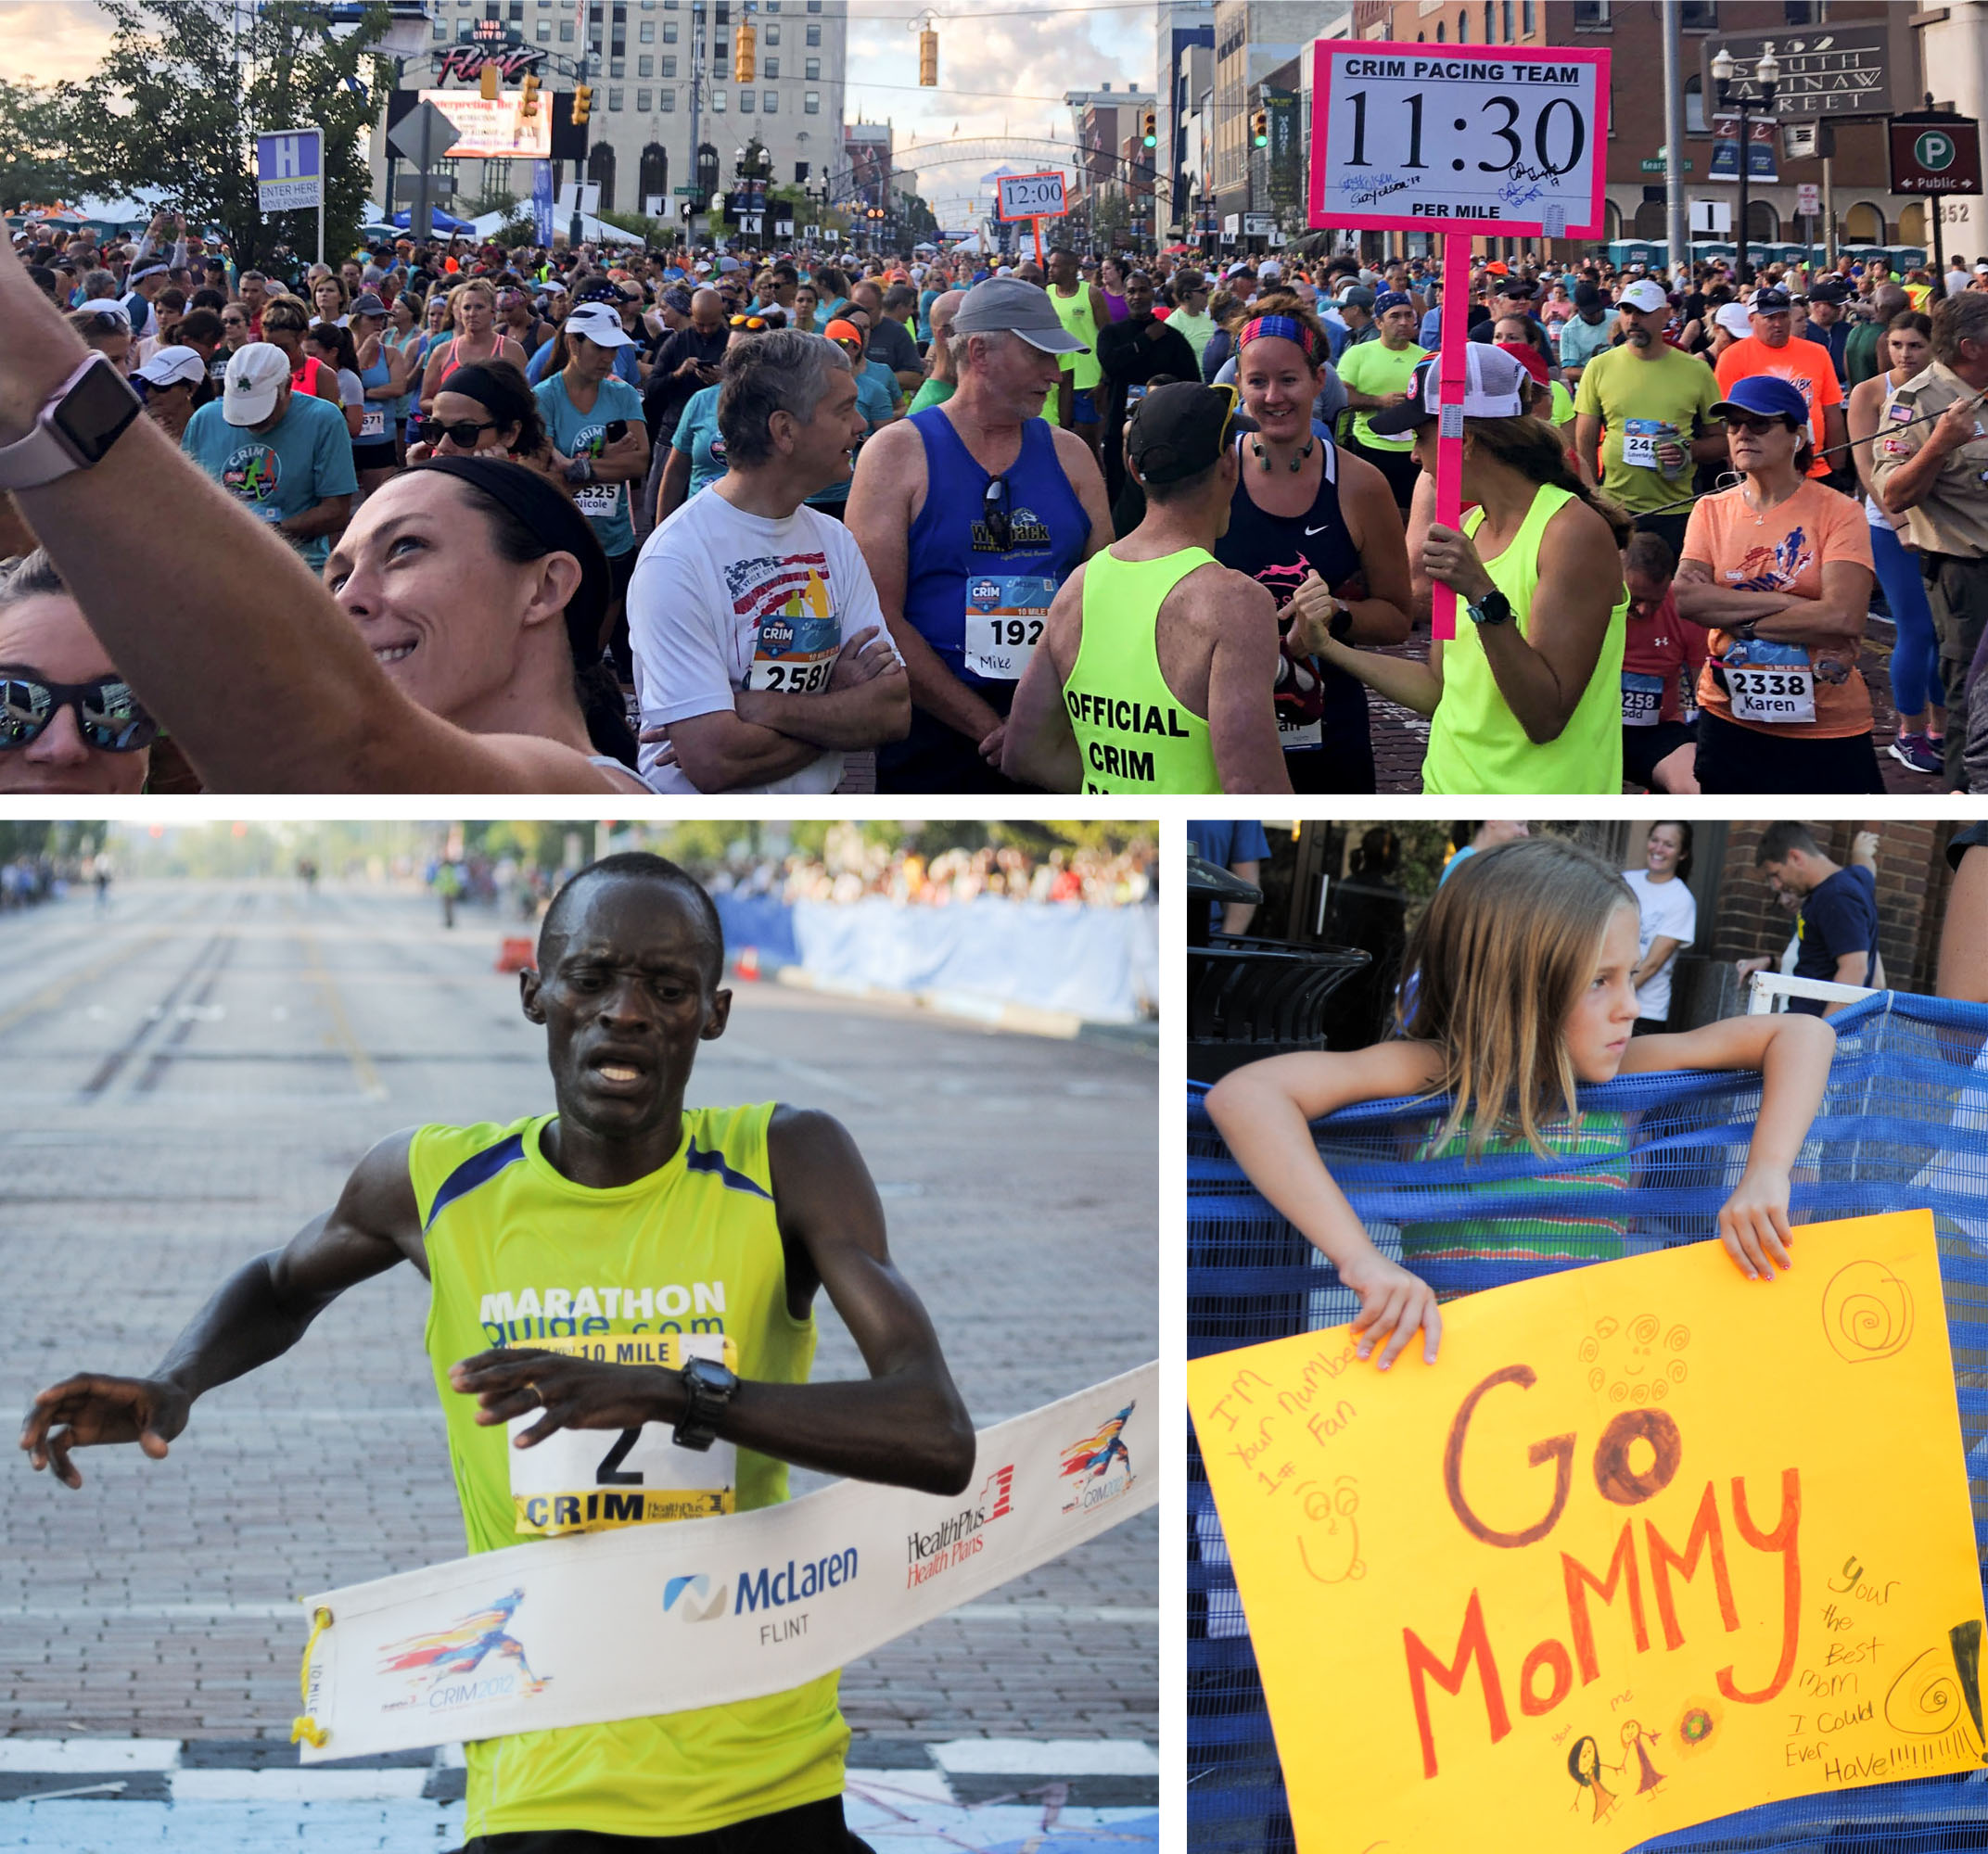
x=1003, y=70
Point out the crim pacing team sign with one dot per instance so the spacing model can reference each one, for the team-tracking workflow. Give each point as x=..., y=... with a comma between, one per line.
x=1410, y=139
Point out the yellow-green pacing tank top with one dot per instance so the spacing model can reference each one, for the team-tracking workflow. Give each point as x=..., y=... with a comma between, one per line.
x=1476, y=746
x=1130, y=728
x=685, y=1261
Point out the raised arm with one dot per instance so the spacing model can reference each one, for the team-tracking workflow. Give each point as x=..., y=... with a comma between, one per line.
x=1265, y=1109
x=257, y=1313
x=903, y=1426
x=1792, y=1053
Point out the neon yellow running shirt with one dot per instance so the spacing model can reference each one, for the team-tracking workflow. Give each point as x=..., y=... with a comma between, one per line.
x=689, y=1257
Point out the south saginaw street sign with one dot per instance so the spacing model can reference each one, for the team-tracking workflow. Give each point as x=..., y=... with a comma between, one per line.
x=1862, y=68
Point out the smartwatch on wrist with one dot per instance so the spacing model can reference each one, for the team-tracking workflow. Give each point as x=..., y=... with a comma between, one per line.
x=1494, y=608
x=82, y=418
x=707, y=1390
x=1341, y=622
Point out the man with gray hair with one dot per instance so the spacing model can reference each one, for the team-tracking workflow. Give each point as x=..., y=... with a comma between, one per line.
x=942, y=374
x=971, y=514
x=761, y=657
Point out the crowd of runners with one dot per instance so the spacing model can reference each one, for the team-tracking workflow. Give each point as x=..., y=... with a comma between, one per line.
x=621, y=520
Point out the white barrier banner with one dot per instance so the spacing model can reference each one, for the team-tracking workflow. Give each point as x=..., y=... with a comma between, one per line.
x=644, y=1619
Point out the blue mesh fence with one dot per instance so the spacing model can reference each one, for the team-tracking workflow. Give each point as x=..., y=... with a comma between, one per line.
x=1903, y=1126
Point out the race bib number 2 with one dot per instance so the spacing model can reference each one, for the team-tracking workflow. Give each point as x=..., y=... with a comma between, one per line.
x=583, y=1481
x=1004, y=619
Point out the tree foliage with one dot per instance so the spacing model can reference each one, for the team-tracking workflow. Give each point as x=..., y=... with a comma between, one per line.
x=178, y=99
x=35, y=165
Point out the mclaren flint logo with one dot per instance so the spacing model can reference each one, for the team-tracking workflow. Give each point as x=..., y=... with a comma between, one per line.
x=957, y=1537
x=770, y=1588
x=1089, y=1465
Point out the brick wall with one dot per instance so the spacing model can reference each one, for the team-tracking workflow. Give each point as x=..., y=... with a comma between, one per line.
x=1912, y=886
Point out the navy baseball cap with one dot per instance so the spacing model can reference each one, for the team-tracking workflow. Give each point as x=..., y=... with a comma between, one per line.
x=1769, y=302
x=1763, y=396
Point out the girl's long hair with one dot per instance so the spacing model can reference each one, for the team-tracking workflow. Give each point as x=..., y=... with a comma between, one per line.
x=1534, y=451
x=1494, y=967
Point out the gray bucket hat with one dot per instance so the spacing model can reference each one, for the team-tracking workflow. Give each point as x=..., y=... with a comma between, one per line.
x=1015, y=306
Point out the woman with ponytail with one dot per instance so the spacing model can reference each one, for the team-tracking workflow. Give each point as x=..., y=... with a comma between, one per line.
x=1317, y=526
x=1527, y=696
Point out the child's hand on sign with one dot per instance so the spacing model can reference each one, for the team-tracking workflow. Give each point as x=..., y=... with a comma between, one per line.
x=1753, y=1225
x=1393, y=1304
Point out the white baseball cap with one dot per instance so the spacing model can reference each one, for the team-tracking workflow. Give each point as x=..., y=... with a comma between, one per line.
x=173, y=367
x=1646, y=296
x=256, y=372
x=1735, y=319
x=600, y=323
x=1495, y=386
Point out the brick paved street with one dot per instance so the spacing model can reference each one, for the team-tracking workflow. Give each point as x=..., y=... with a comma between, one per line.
x=1400, y=738
x=189, y=1077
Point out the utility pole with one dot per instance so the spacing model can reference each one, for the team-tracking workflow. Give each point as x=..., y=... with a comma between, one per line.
x=1674, y=231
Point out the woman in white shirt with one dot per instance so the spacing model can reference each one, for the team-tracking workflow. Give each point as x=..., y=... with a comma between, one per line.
x=1668, y=913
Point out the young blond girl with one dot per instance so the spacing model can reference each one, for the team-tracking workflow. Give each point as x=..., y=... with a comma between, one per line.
x=1517, y=987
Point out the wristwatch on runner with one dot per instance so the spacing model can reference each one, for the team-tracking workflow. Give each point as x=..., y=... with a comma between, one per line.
x=708, y=1388
x=1494, y=608
x=84, y=417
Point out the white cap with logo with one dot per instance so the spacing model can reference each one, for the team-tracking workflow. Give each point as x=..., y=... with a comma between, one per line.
x=257, y=374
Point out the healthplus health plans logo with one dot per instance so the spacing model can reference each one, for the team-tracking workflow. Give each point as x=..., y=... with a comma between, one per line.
x=474, y=1659
x=1088, y=1464
x=957, y=1537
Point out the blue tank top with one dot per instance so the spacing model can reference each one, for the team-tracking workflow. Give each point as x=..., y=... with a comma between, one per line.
x=953, y=560
x=1318, y=710
x=378, y=415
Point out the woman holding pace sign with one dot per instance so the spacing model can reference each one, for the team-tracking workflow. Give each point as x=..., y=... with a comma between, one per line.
x=1526, y=699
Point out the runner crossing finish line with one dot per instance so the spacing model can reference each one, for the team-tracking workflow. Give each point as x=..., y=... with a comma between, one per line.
x=649, y=1619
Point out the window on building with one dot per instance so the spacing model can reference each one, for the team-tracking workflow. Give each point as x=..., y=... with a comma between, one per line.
x=812, y=103
x=667, y=102
x=1439, y=37
x=614, y=100
x=618, y=67
x=546, y=31
x=722, y=67
x=814, y=36
x=565, y=31
x=723, y=12
x=645, y=67
x=1699, y=16
x=813, y=69
x=1801, y=12
x=772, y=66
x=1490, y=25
x=717, y=101
x=642, y=102
x=516, y=13
x=1694, y=105
x=1463, y=28
x=1505, y=18
x=647, y=33
x=1591, y=16
x=440, y=29
x=814, y=6
x=1525, y=17
x=773, y=32
x=770, y=102
x=669, y=31
x=670, y=66
x=746, y=99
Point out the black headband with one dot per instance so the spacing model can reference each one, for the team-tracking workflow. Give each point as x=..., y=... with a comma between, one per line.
x=551, y=517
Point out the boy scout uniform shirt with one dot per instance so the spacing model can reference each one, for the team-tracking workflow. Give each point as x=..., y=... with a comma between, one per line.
x=1951, y=517
x=689, y=1259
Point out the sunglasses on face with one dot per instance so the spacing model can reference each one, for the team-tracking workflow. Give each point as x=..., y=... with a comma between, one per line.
x=1754, y=427
x=462, y=434
x=755, y=323
x=107, y=714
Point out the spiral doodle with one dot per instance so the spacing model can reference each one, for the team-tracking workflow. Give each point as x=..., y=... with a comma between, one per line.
x=1926, y=1699
x=1867, y=1312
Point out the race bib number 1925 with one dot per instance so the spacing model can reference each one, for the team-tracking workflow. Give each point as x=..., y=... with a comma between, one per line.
x=1004, y=619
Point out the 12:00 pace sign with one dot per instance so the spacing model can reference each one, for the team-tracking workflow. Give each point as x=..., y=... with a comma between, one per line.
x=1505, y=140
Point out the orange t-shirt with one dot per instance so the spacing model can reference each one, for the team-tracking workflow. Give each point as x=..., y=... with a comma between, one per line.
x=1805, y=365
x=1784, y=551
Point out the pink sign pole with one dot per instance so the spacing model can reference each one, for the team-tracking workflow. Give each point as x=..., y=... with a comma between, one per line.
x=1451, y=374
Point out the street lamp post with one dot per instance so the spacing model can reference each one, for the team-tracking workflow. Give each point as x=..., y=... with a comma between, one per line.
x=1767, y=74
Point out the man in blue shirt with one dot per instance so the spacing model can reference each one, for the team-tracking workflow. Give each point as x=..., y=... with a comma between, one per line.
x=1239, y=846
x=286, y=456
x=1836, y=925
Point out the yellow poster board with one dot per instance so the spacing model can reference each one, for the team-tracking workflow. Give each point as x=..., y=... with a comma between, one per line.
x=1649, y=1543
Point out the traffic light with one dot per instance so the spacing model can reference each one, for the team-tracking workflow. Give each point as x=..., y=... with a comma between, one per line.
x=582, y=103
x=492, y=79
x=1259, y=129
x=928, y=58
x=1151, y=129
x=528, y=97
x=746, y=52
